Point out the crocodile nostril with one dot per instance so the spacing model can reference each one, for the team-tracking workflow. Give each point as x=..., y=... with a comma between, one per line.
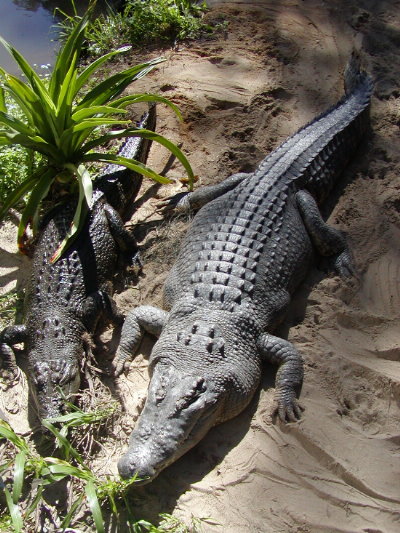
x=128, y=468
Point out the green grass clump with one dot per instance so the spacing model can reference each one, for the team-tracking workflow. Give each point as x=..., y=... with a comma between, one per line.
x=17, y=163
x=15, y=166
x=26, y=475
x=94, y=500
x=140, y=23
x=163, y=20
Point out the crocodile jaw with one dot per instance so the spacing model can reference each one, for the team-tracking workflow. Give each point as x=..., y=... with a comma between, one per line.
x=180, y=409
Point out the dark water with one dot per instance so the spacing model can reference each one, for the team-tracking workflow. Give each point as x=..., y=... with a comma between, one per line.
x=29, y=26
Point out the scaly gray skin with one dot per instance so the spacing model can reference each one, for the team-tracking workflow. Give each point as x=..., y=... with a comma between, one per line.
x=65, y=300
x=244, y=254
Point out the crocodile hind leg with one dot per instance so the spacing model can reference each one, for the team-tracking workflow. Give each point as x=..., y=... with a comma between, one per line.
x=141, y=319
x=8, y=337
x=186, y=201
x=329, y=242
x=289, y=376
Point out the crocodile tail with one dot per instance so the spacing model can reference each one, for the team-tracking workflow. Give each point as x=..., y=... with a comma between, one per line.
x=355, y=78
x=135, y=147
x=345, y=125
x=119, y=184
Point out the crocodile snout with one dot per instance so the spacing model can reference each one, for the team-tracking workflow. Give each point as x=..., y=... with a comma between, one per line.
x=50, y=383
x=179, y=410
x=128, y=467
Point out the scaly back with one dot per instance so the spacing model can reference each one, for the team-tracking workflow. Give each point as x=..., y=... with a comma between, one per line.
x=219, y=262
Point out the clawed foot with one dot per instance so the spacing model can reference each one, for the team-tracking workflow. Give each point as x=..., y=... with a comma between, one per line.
x=8, y=363
x=136, y=260
x=289, y=409
x=344, y=265
x=120, y=366
x=178, y=203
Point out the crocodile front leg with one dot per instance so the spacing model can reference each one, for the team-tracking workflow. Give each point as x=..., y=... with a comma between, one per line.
x=329, y=242
x=289, y=377
x=188, y=201
x=8, y=337
x=141, y=319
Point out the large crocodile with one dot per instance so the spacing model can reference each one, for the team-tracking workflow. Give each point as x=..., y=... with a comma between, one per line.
x=245, y=252
x=65, y=300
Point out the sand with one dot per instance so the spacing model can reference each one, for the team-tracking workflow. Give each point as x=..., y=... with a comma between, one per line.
x=277, y=65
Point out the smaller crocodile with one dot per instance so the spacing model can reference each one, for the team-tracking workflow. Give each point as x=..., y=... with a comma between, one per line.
x=64, y=301
x=244, y=254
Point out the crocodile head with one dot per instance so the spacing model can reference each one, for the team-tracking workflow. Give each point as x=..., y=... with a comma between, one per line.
x=204, y=371
x=53, y=357
x=180, y=409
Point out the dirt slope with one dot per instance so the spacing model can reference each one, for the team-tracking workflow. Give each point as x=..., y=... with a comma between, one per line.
x=278, y=65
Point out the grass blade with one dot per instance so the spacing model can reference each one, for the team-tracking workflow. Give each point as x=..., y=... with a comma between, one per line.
x=36, y=83
x=96, y=122
x=7, y=433
x=37, y=112
x=15, y=513
x=94, y=506
x=20, y=93
x=68, y=517
x=63, y=61
x=15, y=124
x=34, y=143
x=62, y=468
x=77, y=224
x=15, y=196
x=66, y=84
x=71, y=419
x=38, y=109
x=34, y=502
x=114, y=85
x=85, y=183
x=96, y=110
x=135, y=98
x=19, y=469
x=81, y=212
x=69, y=450
x=39, y=192
x=64, y=100
x=132, y=164
x=79, y=418
x=85, y=75
x=37, y=92
x=3, y=106
x=147, y=134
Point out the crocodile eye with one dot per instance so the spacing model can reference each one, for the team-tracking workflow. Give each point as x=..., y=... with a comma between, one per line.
x=39, y=375
x=198, y=388
x=40, y=381
x=69, y=374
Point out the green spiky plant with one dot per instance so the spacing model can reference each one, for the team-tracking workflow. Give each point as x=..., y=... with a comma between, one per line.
x=65, y=124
